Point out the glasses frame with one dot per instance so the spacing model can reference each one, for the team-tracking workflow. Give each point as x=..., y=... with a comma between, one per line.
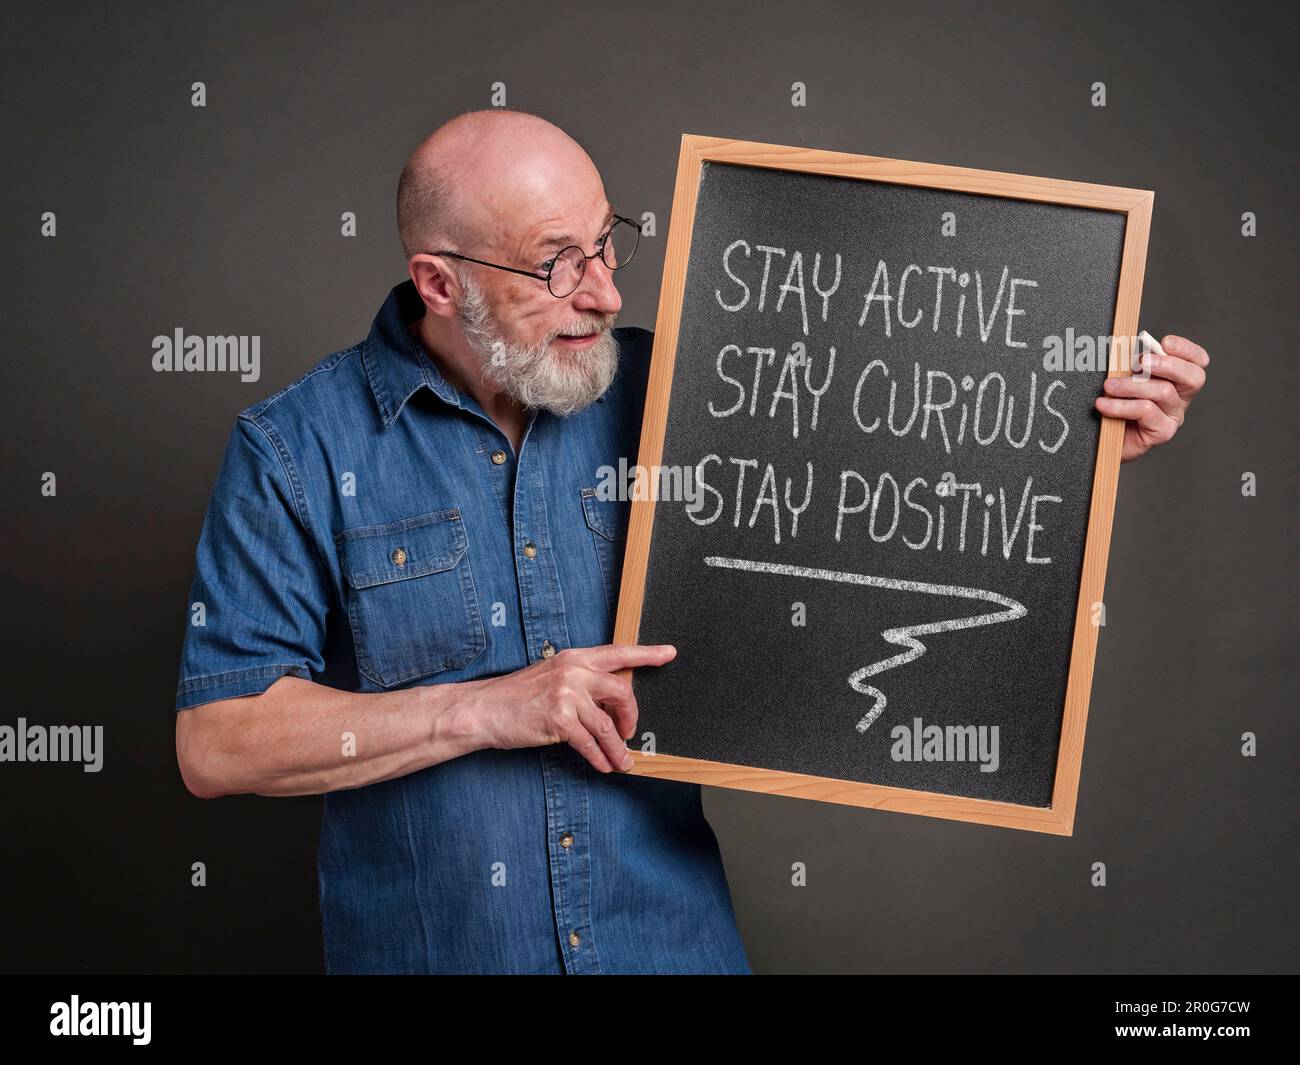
x=602, y=240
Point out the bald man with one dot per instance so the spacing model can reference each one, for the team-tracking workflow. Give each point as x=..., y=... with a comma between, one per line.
x=408, y=583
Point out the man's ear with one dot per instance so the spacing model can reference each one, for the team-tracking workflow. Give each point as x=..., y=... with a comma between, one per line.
x=437, y=285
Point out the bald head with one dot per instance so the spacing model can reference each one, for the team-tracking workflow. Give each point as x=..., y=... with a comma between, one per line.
x=511, y=190
x=481, y=177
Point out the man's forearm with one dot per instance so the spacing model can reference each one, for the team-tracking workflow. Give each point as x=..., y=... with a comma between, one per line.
x=301, y=738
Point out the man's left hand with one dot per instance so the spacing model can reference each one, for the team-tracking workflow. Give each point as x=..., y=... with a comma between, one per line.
x=1154, y=407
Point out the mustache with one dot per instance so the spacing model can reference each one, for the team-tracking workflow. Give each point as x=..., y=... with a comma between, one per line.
x=584, y=327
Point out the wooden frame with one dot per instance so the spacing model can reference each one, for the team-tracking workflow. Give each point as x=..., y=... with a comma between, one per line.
x=1136, y=205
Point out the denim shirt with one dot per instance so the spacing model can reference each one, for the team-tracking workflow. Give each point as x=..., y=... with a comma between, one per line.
x=367, y=531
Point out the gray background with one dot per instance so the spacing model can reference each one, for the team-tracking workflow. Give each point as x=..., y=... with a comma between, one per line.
x=226, y=220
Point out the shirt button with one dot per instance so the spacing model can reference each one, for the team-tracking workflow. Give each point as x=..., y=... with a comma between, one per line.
x=566, y=840
x=573, y=939
x=530, y=549
x=498, y=457
x=398, y=556
x=547, y=650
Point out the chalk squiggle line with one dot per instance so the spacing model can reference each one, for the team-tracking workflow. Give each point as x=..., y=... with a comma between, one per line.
x=902, y=635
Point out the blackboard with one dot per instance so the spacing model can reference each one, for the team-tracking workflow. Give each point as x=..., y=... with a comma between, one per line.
x=877, y=492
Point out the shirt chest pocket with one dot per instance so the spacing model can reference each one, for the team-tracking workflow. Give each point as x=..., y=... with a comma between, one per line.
x=607, y=525
x=411, y=599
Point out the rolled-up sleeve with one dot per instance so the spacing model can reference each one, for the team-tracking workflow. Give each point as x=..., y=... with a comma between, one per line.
x=259, y=599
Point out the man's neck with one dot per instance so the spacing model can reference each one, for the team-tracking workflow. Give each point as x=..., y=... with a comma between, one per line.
x=462, y=374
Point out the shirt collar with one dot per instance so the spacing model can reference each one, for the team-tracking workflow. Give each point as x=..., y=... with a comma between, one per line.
x=396, y=362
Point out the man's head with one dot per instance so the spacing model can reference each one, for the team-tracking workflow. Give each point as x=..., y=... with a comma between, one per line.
x=511, y=188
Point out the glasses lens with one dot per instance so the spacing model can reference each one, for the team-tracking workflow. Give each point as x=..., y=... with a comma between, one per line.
x=621, y=244
x=567, y=271
x=571, y=263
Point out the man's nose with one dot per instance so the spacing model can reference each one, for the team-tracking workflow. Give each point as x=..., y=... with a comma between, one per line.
x=598, y=292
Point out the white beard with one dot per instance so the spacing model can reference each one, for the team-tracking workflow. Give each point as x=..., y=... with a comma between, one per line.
x=537, y=376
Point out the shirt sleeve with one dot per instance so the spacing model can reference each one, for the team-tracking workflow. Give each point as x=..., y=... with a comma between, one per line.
x=259, y=599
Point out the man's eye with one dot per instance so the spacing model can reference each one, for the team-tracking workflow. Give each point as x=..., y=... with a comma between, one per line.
x=546, y=265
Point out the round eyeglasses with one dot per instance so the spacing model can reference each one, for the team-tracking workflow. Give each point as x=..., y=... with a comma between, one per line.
x=564, y=271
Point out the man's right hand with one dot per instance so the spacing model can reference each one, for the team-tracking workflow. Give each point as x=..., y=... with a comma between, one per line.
x=574, y=697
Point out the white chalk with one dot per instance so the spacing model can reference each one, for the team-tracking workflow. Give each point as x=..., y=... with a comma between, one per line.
x=899, y=636
x=1151, y=344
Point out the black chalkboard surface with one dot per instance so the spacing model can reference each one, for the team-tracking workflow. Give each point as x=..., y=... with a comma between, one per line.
x=877, y=421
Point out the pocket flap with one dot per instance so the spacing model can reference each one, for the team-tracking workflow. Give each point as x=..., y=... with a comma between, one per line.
x=381, y=554
x=608, y=517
